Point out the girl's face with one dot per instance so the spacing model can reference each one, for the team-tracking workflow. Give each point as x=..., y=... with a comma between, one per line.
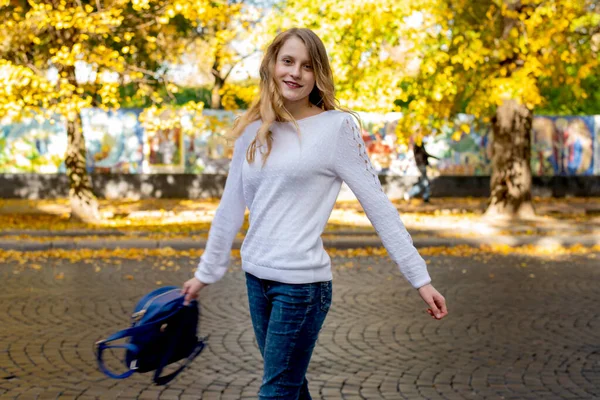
x=294, y=71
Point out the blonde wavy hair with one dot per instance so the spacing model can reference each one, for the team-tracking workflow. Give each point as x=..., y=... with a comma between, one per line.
x=268, y=105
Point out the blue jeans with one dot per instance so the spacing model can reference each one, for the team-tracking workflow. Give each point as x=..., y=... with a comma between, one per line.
x=287, y=319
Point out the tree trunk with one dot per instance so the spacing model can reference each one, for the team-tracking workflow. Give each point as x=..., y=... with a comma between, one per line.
x=511, y=168
x=215, y=103
x=84, y=205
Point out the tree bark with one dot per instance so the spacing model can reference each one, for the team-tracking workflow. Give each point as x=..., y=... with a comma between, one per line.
x=511, y=169
x=215, y=103
x=84, y=205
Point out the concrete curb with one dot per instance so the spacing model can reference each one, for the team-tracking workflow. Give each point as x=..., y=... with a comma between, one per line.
x=338, y=242
x=115, y=232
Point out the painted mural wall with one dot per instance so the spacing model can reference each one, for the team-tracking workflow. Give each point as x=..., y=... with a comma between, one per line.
x=117, y=143
x=561, y=146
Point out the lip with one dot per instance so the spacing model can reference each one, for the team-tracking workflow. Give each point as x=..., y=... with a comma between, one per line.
x=292, y=85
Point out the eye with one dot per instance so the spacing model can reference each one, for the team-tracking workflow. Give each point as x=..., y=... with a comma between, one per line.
x=307, y=66
x=286, y=61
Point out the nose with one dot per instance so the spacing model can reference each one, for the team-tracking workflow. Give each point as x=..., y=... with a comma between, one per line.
x=296, y=72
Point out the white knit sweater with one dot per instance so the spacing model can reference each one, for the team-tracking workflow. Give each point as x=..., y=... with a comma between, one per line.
x=290, y=200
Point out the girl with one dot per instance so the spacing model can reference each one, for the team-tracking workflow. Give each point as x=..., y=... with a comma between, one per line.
x=294, y=147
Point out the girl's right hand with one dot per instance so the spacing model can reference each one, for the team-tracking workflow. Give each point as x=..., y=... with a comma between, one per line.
x=190, y=289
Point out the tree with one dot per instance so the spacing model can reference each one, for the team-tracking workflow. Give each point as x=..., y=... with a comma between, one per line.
x=363, y=42
x=494, y=59
x=116, y=41
x=562, y=101
x=225, y=41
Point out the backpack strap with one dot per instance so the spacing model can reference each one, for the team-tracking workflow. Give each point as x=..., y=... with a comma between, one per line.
x=172, y=344
x=102, y=345
x=163, y=380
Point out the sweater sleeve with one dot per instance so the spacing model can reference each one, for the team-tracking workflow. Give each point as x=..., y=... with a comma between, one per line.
x=228, y=219
x=352, y=165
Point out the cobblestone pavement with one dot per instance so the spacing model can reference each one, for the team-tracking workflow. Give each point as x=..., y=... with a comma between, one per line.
x=519, y=328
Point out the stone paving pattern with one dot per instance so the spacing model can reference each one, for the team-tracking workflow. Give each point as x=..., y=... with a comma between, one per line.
x=519, y=328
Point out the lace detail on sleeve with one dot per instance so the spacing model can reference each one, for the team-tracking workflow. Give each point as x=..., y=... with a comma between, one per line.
x=357, y=141
x=353, y=166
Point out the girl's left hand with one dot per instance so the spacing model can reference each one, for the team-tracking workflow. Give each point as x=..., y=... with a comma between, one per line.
x=434, y=300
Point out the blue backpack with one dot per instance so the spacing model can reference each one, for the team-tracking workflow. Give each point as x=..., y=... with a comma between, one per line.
x=162, y=332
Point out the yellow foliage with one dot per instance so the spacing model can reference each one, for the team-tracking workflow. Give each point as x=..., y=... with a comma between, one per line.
x=230, y=92
x=438, y=54
x=113, y=42
x=188, y=118
x=362, y=39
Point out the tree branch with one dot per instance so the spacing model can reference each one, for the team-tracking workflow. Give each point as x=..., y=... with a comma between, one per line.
x=237, y=62
x=35, y=69
x=171, y=95
x=153, y=74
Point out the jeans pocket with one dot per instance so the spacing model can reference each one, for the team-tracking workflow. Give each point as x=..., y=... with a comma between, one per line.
x=326, y=289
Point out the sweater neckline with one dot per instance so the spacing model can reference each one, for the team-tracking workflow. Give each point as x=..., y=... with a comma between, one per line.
x=310, y=117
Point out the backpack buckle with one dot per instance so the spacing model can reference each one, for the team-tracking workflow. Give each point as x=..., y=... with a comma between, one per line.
x=137, y=315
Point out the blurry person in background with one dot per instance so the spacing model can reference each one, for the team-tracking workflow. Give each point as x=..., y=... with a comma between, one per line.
x=422, y=186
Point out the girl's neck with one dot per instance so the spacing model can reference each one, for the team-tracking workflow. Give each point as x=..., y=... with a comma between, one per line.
x=302, y=110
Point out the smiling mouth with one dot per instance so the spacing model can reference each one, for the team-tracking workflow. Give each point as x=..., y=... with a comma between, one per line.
x=292, y=85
